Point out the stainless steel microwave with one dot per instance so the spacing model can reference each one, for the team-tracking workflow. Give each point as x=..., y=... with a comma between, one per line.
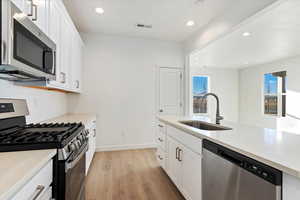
x=26, y=52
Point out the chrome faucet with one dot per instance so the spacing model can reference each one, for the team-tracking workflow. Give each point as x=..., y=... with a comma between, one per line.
x=218, y=116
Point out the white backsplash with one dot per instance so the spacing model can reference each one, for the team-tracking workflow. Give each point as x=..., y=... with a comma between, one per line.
x=42, y=104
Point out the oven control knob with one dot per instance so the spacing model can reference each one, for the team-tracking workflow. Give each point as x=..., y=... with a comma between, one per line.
x=80, y=138
x=72, y=147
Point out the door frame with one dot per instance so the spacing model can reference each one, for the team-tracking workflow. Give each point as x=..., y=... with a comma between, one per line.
x=182, y=88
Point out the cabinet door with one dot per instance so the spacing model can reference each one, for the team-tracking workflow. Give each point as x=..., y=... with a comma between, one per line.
x=65, y=42
x=174, y=165
x=20, y=4
x=76, y=63
x=191, y=184
x=40, y=14
x=54, y=24
x=54, y=21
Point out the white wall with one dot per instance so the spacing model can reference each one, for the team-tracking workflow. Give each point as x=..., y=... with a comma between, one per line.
x=225, y=83
x=42, y=104
x=119, y=86
x=251, y=95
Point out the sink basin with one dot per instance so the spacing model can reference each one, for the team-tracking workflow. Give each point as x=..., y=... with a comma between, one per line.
x=205, y=126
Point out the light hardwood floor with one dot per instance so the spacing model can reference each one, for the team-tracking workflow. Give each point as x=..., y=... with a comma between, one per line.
x=128, y=175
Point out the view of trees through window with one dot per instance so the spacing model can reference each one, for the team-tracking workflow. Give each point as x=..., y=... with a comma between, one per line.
x=274, y=93
x=200, y=87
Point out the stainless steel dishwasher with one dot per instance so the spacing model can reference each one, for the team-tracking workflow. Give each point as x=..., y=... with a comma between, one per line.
x=228, y=175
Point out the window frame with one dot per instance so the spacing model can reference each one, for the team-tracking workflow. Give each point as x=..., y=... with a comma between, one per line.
x=279, y=96
x=192, y=95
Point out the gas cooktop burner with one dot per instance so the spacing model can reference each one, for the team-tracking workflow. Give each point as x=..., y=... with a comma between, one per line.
x=34, y=136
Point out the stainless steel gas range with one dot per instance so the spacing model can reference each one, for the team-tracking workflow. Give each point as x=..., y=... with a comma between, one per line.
x=70, y=140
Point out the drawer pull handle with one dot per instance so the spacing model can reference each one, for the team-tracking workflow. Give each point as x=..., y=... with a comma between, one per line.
x=161, y=140
x=160, y=158
x=38, y=191
x=179, y=155
x=161, y=126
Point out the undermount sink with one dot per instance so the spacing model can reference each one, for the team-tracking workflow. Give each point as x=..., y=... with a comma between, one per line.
x=205, y=126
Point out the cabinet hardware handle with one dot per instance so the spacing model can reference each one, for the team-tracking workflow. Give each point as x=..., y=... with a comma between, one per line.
x=38, y=191
x=31, y=8
x=160, y=158
x=179, y=155
x=161, y=110
x=63, y=77
x=161, y=140
x=77, y=84
x=161, y=126
x=35, y=12
x=94, y=132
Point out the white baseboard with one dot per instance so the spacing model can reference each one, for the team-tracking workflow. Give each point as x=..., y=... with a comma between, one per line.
x=125, y=147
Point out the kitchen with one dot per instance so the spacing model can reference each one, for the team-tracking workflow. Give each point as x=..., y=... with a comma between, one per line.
x=124, y=85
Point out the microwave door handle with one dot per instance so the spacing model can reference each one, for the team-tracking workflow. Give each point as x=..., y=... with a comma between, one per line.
x=54, y=62
x=3, y=52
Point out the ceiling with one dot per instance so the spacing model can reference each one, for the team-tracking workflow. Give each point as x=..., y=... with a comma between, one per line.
x=275, y=34
x=168, y=17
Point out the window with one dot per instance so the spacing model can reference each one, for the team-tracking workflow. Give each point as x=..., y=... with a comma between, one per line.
x=275, y=93
x=199, y=88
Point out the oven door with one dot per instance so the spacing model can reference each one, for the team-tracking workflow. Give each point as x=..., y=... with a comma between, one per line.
x=75, y=177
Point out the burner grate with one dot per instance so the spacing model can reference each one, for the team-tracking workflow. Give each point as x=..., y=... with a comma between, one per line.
x=52, y=133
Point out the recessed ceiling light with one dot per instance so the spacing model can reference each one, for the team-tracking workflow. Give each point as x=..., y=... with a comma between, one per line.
x=99, y=10
x=246, y=34
x=190, y=23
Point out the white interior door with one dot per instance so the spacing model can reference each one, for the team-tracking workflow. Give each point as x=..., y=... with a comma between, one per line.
x=170, y=91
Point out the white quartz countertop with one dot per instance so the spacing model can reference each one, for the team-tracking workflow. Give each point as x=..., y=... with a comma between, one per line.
x=86, y=119
x=280, y=150
x=17, y=168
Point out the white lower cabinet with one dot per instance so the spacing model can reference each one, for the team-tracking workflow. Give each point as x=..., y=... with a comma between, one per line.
x=161, y=145
x=39, y=187
x=183, y=164
x=92, y=145
x=174, y=163
x=191, y=175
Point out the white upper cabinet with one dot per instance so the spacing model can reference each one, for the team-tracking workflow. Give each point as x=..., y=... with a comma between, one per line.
x=76, y=69
x=40, y=14
x=20, y=4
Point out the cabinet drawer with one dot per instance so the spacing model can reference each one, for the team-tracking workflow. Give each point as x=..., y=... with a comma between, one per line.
x=38, y=185
x=189, y=141
x=161, y=140
x=161, y=157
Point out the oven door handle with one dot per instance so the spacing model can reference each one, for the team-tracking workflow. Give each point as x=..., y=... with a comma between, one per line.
x=70, y=165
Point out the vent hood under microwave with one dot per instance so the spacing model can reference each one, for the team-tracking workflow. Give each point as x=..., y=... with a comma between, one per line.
x=27, y=54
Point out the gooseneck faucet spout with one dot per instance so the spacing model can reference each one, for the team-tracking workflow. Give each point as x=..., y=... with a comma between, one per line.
x=218, y=116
